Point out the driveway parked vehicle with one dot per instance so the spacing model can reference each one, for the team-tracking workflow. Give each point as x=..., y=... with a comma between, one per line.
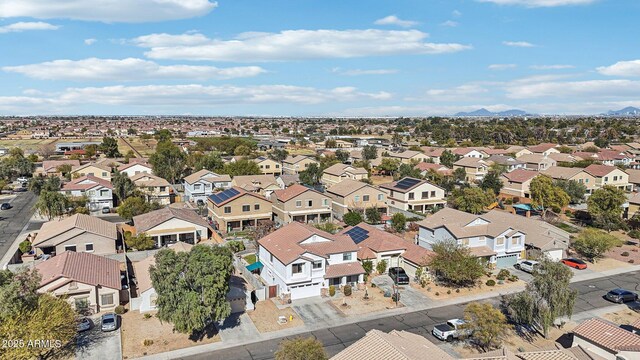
x=22, y=179
x=621, y=296
x=574, y=263
x=5, y=206
x=109, y=322
x=452, y=329
x=84, y=324
x=398, y=275
x=527, y=266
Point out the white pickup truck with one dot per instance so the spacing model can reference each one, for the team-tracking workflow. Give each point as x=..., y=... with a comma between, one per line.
x=452, y=329
x=527, y=266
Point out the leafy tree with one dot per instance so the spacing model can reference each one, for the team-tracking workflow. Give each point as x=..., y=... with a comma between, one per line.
x=398, y=222
x=15, y=164
x=46, y=150
x=592, y=243
x=472, y=199
x=454, y=264
x=459, y=174
x=447, y=158
x=311, y=175
x=65, y=170
x=241, y=167
x=162, y=135
x=369, y=152
x=139, y=242
x=278, y=154
x=39, y=184
x=546, y=298
x=367, y=265
x=331, y=143
x=24, y=247
x=192, y=286
x=211, y=161
x=605, y=207
x=134, y=206
x=487, y=324
x=109, y=147
x=492, y=182
x=301, y=349
x=574, y=189
x=564, y=149
x=168, y=162
x=381, y=266
x=129, y=155
x=123, y=187
x=342, y=156
x=388, y=165
x=51, y=204
x=407, y=170
x=242, y=150
x=545, y=195
x=352, y=218
x=373, y=215
x=90, y=151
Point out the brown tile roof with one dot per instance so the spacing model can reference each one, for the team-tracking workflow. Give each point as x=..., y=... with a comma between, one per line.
x=132, y=163
x=85, y=183
x=560, y=157
x=339, y=169
x=73, y=226
x=560, y=172
x=536, y=159
x=606, y=335
x=346, y=187
x=425, y=166
x=98, y=165
x=520, y=175
x=253, y=182
x=141, y=268
x=541, y=147
x=51, y=165
x=396, y=345
x=81, y=267
x=206, y=174
x=392, y=185
x=295, y=159
x=481, y=251
x=634, y=176
x=152, y=219
x=599, y=170
x=291, y=192
x=343, y=269
x=470, y=162
x=241, y=192
x=148, y=180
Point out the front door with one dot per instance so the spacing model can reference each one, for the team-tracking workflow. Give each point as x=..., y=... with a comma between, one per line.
x=273, y=291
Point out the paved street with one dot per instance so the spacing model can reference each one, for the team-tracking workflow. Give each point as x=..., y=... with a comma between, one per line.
x=420, y=322
x=12, y=221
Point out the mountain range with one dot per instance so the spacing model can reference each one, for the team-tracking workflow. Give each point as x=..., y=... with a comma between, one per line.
x=628, y=111
x=485, y=112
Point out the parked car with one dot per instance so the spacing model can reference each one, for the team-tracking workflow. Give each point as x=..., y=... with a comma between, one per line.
x=621, y=296
x=5, y=206
x=84, y=324
x=574, y=263
x=398, y=275
x=20, y=189
x=527, y=265
x=452, y=329
x=106, y=210
x=109, y=322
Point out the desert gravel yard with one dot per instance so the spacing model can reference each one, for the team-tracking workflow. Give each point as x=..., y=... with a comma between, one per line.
x=265, y=317
x=439, y=292
x=357, y=305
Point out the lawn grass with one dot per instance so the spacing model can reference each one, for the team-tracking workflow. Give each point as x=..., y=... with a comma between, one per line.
x=250, y=259
x=567, y=228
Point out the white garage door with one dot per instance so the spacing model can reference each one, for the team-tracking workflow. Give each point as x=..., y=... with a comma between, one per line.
x=237, y=305
x=506, y=261
x=554, y=255
x=305, y=291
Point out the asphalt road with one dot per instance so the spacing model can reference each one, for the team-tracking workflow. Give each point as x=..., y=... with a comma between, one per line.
x=337, y=338
x=12, y=221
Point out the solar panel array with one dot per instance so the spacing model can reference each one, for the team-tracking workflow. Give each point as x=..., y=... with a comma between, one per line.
x=406, y=183
x=224, y=195
x=358, y=234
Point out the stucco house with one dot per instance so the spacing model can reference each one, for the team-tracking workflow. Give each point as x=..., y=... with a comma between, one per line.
x=154, y=188
x=411, y=194
x=295, y=164
x=609, y=176
x=99, y=192
x=268, y=166
x=98, y=170
x=350, y=195
x=135, y=167
x=169, y=225
x=474, y=168
x=578, y=175
x=607, y=340
x=338, y=172
x=516, y=183
x=261, y=184
x=537, y=162
x=203, y=183
x=302, y=204
x=50, y=167
x=235, y=209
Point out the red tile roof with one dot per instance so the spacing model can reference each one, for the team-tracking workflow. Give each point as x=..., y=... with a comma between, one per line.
x=90, y=181
x=344, y=269
x=152, y=219
x=85, y=268
x=606, y=335
x=520, y=175
x=599, y=170
x=291, y=192
x=540, y=148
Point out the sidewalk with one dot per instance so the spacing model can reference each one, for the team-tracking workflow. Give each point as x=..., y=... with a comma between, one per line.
x=393, y=312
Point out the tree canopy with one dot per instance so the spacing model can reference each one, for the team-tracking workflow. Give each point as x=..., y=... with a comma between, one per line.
x=454, y=264
x=242, y=167
x=109, y=147
x=168, y=162
x=398, y=222
x=51, y=204
x=369, y=152
x=352, y=218
x=123, y=187
x=488, y=325
x=593, y=244
x=301, y=349
x=605, y=207
x=135, y=205
x=447, y=158
x=546, y=195
x=311, y=175
x=574, y=189
x=492, y=182
x=472, y=199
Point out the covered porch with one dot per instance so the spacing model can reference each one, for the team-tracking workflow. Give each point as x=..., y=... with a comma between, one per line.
x=338, y=275
x=164, y=238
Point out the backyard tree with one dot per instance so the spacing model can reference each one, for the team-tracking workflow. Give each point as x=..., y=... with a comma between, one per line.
x=342, y=156
x=605, y=207
x=388, y=165
x=546, y=298
x=278, y=154
x=352, y=218
x=492, y=182
x=546, y=195
x=381, y=266
x=311, y=175
x=487, y=324
x=447, y=158
x=109, y=147
x=398, y=222
x=472, y=199
x=373, y=215
x=241, y=167
x=123, y=187
x=51, y=204
x=168, y=162
x=454, y=264
x=192, y=286
x=134, y=206
x=369, y=152
x=593, y=243
x=139, y=242
x=301, y=349
x=574, y=189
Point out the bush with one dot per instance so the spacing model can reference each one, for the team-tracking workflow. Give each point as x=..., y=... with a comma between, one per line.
x=119, y=310
x=515, y=200
x=437, y=293
x=448, y=292
x=503, y=274
x=367, y=265
x=147, y=316
x=490, y=282
x=25, y=246
x=513, y=278
x=631, y=261
x=381, y=267
x=235, y=245
x=347, y=290
x=413, y=226
x=625, y=253
x=147, y=342
x=457, y=291
x=508, y=202
x=634, y=234
x=373, y=285
x=332, y=290
x=395, y=297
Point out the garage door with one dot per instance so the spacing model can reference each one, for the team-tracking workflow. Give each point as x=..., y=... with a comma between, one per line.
x=554, y=255
x=305, y=291
x=237, y=304
x=506, y=261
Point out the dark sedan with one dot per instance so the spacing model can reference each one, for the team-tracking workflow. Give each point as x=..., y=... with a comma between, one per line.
x=621, y=296
x=398, y=275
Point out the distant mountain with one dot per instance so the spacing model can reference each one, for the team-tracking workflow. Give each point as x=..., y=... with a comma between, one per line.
x=628, y=111
x=485, y=112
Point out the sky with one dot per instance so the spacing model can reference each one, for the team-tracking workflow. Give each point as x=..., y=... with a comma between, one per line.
x=317, y=58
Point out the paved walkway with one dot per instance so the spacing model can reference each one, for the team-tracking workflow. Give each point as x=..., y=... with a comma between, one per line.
x=237, y=328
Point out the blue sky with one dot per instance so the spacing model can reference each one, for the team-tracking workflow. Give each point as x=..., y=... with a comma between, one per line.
x=303, y=57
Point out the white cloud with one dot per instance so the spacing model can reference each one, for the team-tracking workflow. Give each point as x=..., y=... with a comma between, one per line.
x=450, y=23
x=458, y=93
x=539, y=3
x=502, y=66
x=357, y=72
x=130, y=69
x=394, y=20
x=90, y=41
x=305, y=44
x=523, y=44
x=167, y=40
x=132, y=11
x=456, y=13
x=588, y=89
x=26, y=26
x=551, y=67
x=621, y=68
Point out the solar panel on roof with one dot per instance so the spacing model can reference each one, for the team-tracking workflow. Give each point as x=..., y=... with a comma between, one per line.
x=407, y=183
x=358, y=234
x=215, y=199
x=233, y=192
x=224, y=195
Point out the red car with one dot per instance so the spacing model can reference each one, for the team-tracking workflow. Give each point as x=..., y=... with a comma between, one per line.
x=574, y=263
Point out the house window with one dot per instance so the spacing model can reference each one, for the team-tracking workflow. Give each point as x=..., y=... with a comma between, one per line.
x=346, y=256
x=500, y=241
x=88, y=247
x=586, y=181
x=246, y=208
x=325, y=202
x=104, y=174
x=104, y=193
x=298, y=203
x=196, y=187
x=606, y=178
x=297, y=268
x=580, y=181
x=70, y=248
x=277, y=166
x=163, y=188
x=227, y=209
x=106, y=299
x=425, y=194
x=356, y=198
x=380, y=197
x=317, y=264
x=433, y=194
x=267, y=166
x=256, y=207
x=615, y=178
x=91, y=192
x=515, y=240
x=365, y=198
x=309, y=203
x=412, y=196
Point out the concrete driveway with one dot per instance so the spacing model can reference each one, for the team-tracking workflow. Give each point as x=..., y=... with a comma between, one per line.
x=315, y=310
x=408, y=296
x=95, y=344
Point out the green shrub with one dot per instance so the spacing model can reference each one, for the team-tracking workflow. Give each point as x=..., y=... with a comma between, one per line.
x=147, y=342
x=437, y=293
x=448, y=292
x=367, y=265
x=625, y=253
x=457, y=291
x=513, y=278
x=381, y=267
x=119, y=310
x=25, y=246
x=332, y=290
x=631, y=261
x=491, y=282
x=347, y=290
x=235, y=245
x=373, y=285
x=147, y=316
x=503, y=274
x=634, y=234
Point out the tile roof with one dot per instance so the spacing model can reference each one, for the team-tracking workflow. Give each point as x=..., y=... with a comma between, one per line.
x=85, y=183
x=535, y=159
x=396, y=345
x=598, y=170
x=73, y=226
x=346, y=187
x=141, y=268
x=98, y=165
x=51, y=165
x=81, y=267
x=634, y=176
x=133, y=163
x=470, y=162
x=289, y=179
x=541, y=147
x=240, y=193
x=148, y=180
x=343, y=269
x=481, y=251
x=253, y=182
x=561, y=172
x=520, y=175
x=393, y=185
x=339, y=169
x=291, y=192
x=295, y=159
x=208, y=175
x=606, y=335
x=560, y=157
x=425, y=166
x=152, y=219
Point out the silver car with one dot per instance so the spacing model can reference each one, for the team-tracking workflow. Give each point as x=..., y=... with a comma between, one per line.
x=109, y=322
x=84, y=324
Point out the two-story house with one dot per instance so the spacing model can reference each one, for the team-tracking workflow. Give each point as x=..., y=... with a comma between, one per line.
x=268, y=166
x=98, y=170
x=135, y=167
x=516, y=183
x=572, y=174
x=497, y=236
x=470, y=152
x=295, y=164
x=99, y=192
x=537, y=162
x=417, y=195
x=52, y=167
x=409, y=156
x=609, y=176
x=302, y=204
x=351, y=195
x=154, y=188
x=300, y=260
x=507, y=162
x=544, y=149
x=170, y=225
x=199, y=185
x=261, y=184
x=235, y=209
x=338, y=172
x=475, y=168
x=425, y=168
